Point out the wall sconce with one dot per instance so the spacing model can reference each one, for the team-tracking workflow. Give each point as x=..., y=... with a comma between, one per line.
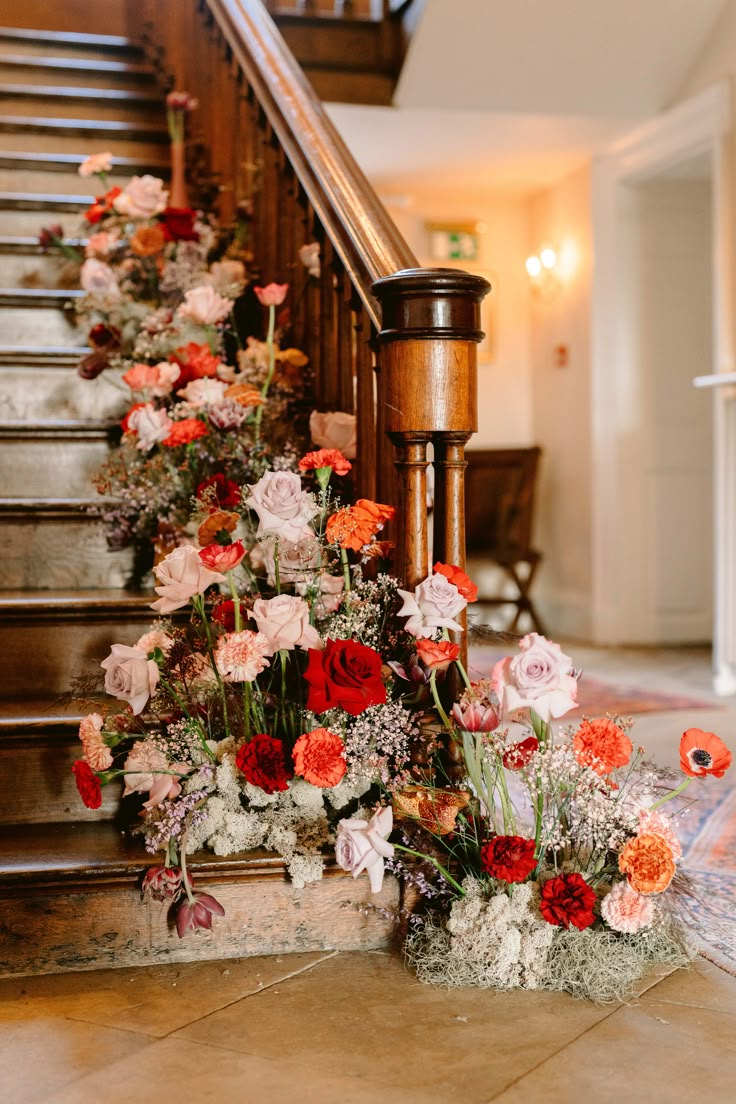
x=543, y=272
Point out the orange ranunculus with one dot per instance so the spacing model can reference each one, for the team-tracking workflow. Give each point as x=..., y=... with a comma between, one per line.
x=244, y=395
x=319, y=757
x=453, y=574
x=353, y=526
x=325, y=458
x=218, y=522
x=703, y=753
x=185, y=431
x=648, y=862
x=436, y=810
x=437, y=655
x=148, y=241
x=601, y=745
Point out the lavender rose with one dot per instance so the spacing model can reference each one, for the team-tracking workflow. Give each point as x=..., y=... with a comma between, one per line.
x=283, y=508
x=97, y=278
x=539, y=678
x=284, y=621
x=130, y=676
x=362, y=845
x=434, y=605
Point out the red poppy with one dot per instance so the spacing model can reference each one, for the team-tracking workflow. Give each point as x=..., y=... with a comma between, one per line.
x=88, y=784
x=346, y=674
x=262, y=762
x=516, y=756
x=568, y=899
x=508, y=858
x=102, y=205
x=185, y=431
x=703, y=753
x=453, y=574
x=226, y=491
x=177, y=224
x=222, y=557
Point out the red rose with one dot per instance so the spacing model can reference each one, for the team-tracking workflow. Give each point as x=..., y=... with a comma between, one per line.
x=185, y=431
x=88, y=784
x=224, y=614
x=568, y=899
x=262, y=762
x=347, y=674
x=454, y=575
x=226, y=492
x=508, y=858
x=177, y=224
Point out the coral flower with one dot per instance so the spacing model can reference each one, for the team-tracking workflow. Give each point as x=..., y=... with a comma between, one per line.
x=196, y=362
x=218, y=523
x=466, y=586
x=437, y=655
x=185, y=431
x=508, y=858
x=148, y=241
x=568, y=899
x=601, y=745
x=272, y=295
x=244, y=395
x=649, y=863
x=325, y=458
x=703, y=753
x=353, y=526
x=319, y=757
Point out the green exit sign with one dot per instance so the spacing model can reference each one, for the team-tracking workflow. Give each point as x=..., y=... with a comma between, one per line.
x=452, y=244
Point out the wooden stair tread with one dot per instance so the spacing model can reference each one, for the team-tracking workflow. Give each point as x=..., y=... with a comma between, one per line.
x=33, y=509
x=69, y=38
x=78, y=94
x=34, y=61
x=18, y=243
x=27, y=606
x=50, y=356
x=66, y=162
x=42, y=201
x=108, y=127
x=38, y=297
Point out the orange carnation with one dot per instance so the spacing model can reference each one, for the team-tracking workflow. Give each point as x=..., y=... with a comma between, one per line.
x=648, y=862
x=147, y=241
x=601, y=745
x=319, y=757
x=185, y=431
x=325, y=458
x=353, y=526
x=244, y=395
x=219, y=521
x=437, y=655
x=464, y=584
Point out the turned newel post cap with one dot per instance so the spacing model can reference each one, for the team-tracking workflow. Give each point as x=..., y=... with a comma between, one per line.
x=421, y=303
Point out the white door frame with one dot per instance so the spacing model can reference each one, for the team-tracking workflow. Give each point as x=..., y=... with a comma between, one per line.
x=698, y=126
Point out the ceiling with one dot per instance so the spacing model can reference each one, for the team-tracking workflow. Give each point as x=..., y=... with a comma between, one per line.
x=510, y=97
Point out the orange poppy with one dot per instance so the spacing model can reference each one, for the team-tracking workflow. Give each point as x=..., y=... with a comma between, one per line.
x=458, y=578
x=703, y=753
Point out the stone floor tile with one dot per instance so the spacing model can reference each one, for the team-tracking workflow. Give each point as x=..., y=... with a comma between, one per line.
x=40, y=1055
x=702, y=985
x=641, y=1054
x=369, y=1013
x=152, y=1000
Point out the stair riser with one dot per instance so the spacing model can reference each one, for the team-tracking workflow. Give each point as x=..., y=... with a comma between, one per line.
x=38, y=775
x=30, y=327
x=59, y=553
x=71, y=929
x=26, y=141
x=28, y=223
x=62, y=107
x=42, y=660
x=41, y=393
x=39, y=468
x=75, y=78
x=68, y=182
x=35, y=270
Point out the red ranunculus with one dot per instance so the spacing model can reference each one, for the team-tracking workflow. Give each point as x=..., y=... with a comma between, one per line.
x=568, y=899
x=262, y=762
x=177, y=224
x=224, y=614
x=347, y=674
x=227, y=492
x=185, y=431
x=508, y=858
x=88, y=784
x=454, y=575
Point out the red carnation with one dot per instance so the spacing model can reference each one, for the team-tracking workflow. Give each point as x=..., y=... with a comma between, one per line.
x=226, y=492
x=568, y=899
x=185, y=431
x=177, y=224
x=88, y=784
x=262, y=762
x=453, y=574
x=347, y=674
x=508, y=858
x=224, y=614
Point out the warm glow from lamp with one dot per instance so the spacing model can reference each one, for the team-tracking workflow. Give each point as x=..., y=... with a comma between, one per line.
x=548, y=257
x=533, y=266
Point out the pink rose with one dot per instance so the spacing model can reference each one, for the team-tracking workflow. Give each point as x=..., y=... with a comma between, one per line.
x=272, y=295
x=330, y=594
x=335, y=430
x=150, y=426
x=147, y=770
x=539, y=678
x=284, y=621
x=433, y=605
x=204, y=306
x=226, y=274
x=362, y=845
x=95, y=164
x=283, y=508
x=142, y=198
x=130, y=676
x=182, y=575
x=97, y=278
x=96, y=751
x=203, y=392
x=309, y=256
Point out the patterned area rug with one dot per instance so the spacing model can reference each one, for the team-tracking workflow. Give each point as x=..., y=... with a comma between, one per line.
x=708, y=834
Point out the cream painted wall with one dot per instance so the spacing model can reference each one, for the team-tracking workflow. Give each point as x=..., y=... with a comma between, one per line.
x=561, y=409
x=504, y=378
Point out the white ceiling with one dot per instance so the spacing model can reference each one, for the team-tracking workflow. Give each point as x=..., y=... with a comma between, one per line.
x=512, y=95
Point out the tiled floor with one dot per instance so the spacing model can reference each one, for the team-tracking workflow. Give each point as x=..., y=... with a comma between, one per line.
x=341, y=1028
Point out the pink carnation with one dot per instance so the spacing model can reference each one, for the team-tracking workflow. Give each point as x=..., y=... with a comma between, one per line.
x=655, y=824
x=96, y=751
x=240, y=657
x=625, y=910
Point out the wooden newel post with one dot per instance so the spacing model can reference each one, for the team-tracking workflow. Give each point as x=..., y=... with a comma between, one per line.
x=429, y=335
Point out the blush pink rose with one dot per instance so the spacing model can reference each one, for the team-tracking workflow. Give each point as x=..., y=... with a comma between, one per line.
x=204, y=306
x=283, y=508
x=147, y=770
x=97, y=278
x=96, y=751
x=182, y=575
x=539, y=678
x=96, y=163
x=434, y=605
x=309, y=256
x=143, y=197
x=226, y=274
x=363, y=845
x=284, y=621
x=130, y=676
x=203, y=392
x=335, y=430
x=151, y=426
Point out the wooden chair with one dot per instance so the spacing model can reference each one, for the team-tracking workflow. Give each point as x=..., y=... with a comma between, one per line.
x=499, y=503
